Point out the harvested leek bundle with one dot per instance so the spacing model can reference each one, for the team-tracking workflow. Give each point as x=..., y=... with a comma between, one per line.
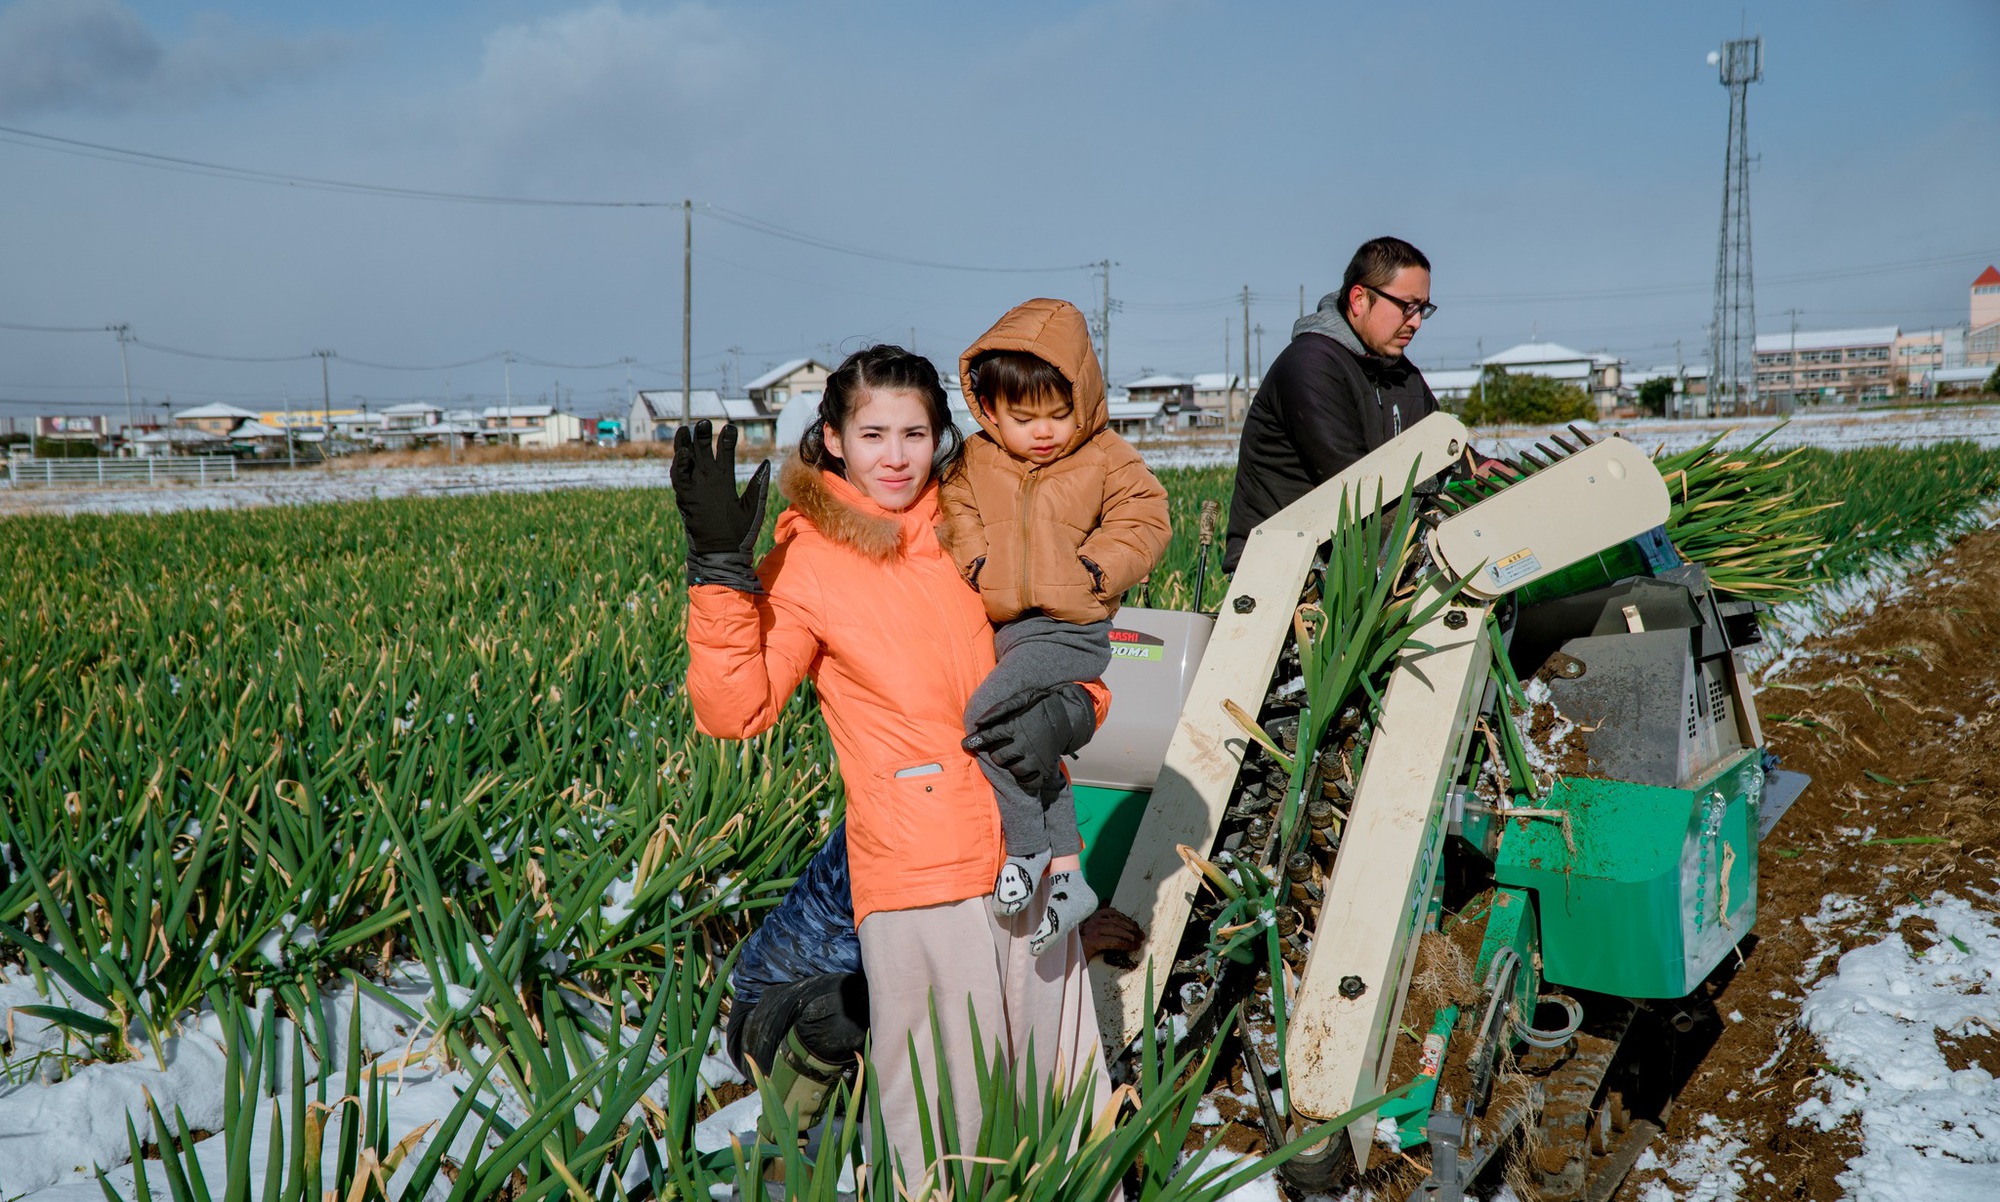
x=1738, y=513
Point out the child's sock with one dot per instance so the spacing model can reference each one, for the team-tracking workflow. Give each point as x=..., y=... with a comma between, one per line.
x=1071, y=900
x=1015, y=886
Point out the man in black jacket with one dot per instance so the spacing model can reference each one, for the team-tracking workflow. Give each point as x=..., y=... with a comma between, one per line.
x=1342, y=388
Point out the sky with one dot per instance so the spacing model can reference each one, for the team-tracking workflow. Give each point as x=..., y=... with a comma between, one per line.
x=1560, y=163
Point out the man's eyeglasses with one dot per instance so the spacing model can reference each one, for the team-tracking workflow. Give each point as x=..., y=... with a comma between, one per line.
x=1410, y=308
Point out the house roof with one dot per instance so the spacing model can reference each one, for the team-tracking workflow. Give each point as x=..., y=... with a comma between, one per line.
x=1821, y=340
x=664, y=405
x=256, y=429
x=216, y=410
x=1536, y=352
x=1453, y=379
x=1126, y=410
x=1960, y=375
x=1990, y=276
x=179, y=434
x=775, y=374
x=411, y=409
x=445, y=428
x=1160, y=382
x=518, y=411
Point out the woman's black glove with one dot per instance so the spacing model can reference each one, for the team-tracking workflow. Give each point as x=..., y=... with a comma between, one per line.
x=722, y=527
x=1029, y=740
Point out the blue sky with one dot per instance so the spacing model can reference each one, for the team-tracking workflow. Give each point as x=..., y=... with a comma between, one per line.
x=1541, y=154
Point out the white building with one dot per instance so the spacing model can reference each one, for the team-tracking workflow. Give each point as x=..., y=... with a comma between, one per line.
x=778, y=387
x=656, y=413
x=529, y=425
x=1597, y=374
x=1814, y=366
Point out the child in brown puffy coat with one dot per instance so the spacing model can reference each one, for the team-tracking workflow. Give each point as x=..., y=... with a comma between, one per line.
x=1051, y=516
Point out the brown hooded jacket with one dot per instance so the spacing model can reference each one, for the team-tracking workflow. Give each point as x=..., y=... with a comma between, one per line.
x=1067, y=537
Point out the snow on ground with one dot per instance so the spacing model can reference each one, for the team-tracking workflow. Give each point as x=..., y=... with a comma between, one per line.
x=1892, y=427
x=1928, y=1131
x=1705, y=1169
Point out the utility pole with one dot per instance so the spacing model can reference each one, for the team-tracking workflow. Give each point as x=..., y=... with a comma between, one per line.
x=1260, y=351
x=325, y=402
x=507, y=365
x=1246, y=352
x=1479, y=349
x=1228, y=380
x=1302, y=301
x=736, y=360
x=291, y=452
x=687, y=312
x=1102, y=323
x=1792, y=363
x=124, y=333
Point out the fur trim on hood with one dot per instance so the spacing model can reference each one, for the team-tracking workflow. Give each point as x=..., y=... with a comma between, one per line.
x=838, y=510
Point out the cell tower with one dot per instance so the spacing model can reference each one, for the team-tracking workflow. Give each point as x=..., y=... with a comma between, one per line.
x=1733, y=338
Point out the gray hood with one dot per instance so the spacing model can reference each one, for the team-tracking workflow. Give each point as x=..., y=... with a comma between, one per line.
x=1330, y=321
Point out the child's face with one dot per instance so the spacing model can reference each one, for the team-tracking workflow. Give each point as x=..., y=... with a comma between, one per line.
x=1035, y=428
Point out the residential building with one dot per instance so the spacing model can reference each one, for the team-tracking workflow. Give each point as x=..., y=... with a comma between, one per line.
x=1597, y=374
x=1453, y=383
x=529, y=425
x=177, y=440
x=216, y=419
x=1826, y=366
x=1174, y=395
x=657, y=412
x=777, y=387
x=1217, y=392
x=1982, y=335
x=401, y=423
x=1132, y=418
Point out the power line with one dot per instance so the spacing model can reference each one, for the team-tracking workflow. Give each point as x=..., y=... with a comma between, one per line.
x=771, y=229
x=168, y=162
x=486, y=358
x=186, y=354
x=8, y=325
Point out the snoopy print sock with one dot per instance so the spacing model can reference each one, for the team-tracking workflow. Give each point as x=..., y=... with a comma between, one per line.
x=1071, y=900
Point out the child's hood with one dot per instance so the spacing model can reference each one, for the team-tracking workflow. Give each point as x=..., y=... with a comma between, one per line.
x=1055, y=331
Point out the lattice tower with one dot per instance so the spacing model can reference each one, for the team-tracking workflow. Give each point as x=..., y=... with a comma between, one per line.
x=1733, y=337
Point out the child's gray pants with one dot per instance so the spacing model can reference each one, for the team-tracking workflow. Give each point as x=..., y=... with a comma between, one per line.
x=1035, y=652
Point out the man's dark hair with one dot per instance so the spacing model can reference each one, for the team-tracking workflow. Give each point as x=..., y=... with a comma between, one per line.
x=1376, y=263
x=1000, y=376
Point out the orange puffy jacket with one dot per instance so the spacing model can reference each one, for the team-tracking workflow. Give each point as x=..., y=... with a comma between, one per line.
x=1067, y=537
x=866, y=603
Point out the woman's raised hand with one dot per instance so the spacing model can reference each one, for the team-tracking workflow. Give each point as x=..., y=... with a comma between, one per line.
x=722, y=526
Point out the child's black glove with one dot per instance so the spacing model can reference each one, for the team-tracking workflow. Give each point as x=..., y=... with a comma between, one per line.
x=1030, y=740
x=722, y=527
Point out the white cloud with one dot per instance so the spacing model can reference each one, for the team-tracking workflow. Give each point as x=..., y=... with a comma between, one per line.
x=98, y=55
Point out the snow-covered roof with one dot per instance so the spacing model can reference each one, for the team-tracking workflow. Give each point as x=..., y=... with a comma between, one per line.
x=256, y=429
x=211, y=411
x=518, y=411
x=1822, y=340
x=1128, y=410
x=1457, y=379
x=357, y=419
x=775, y=374
x=665, y=405
x=1535, y=352
x=410, y=409
x=1160, y=382
x=179, y=434
x=444, y=428
x=1960, y=375
x=1214, y=381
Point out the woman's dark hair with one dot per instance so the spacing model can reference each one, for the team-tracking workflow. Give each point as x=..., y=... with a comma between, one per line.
x=1376, y=263
x=885, y=367
x=998, y=376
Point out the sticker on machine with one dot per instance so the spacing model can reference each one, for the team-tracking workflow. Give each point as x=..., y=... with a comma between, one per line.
x=1516, y=567
x=1136, y=644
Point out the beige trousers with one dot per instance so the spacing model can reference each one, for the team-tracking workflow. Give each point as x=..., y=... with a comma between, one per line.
x=964, y=952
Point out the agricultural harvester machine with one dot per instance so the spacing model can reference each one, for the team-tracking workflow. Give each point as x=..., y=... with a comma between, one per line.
x=1432, y=903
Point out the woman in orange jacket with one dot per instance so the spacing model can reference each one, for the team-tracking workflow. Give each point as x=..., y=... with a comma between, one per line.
x=859, y=596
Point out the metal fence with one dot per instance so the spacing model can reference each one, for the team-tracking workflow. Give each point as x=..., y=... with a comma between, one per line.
x=86, y=473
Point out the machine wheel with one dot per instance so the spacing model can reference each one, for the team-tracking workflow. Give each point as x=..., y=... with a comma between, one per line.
x=1578, y=1113
x=1321, y=1170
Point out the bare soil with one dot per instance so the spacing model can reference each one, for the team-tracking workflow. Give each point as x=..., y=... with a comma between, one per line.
x=1894, y=720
